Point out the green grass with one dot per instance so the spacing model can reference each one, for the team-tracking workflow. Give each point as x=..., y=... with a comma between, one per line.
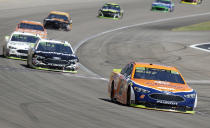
x=205, y=26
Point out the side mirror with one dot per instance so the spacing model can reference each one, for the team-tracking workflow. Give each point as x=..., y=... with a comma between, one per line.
x=7, y=38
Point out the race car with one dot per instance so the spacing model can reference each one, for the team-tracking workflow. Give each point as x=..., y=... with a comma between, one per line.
x=111, y=10
x=18, y=44
x=58, y=20
x=53, y=55
x=194, y=2
x=163, y=5
x=32, y=27
x=152, y=86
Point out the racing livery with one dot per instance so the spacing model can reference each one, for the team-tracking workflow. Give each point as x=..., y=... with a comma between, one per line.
x=152, y=86
x=53, y=55
x=32, y=27
x=111, y=10
x=18, y=44
x=194, y=2
x=58, y=20
x=163, y=5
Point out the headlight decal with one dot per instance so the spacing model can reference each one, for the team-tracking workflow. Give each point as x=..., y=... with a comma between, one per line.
x=193, y=95
x=138, y=89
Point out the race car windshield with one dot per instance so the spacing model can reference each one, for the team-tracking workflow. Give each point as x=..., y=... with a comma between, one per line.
x=24, y=38
x=158, y=74
x=51, y=16
x=31, y=26
x=54, y=47
x=164, y=1
x=114, y=7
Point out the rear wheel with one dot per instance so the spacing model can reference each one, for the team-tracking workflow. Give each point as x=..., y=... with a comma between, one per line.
x=112, y=92
x=129, y=96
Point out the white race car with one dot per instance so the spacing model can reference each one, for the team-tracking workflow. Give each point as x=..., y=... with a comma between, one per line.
x=18, y=44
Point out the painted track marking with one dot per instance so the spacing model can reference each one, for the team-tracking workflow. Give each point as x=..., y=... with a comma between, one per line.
x=195, y=47
x=79, y=44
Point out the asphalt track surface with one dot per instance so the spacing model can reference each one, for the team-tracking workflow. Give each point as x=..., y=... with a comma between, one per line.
x=40, y=99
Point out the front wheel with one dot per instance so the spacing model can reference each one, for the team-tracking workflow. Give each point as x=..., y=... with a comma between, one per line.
x=5, y=53
x=29, y=63
x=112, y=93
x=129, y=96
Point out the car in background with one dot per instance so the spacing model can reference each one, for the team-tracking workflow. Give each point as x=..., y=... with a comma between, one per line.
x=18, y=44
x=111, y=10
x=194, y=2
x=152, y=86
x=58, y=20
x=163, y=5
x=53, y=55
x=32, y=27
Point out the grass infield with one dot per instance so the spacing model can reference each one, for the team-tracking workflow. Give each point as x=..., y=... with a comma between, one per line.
x=205, y=26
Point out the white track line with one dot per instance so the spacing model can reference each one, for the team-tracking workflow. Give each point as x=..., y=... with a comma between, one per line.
x=85, y=77
x=195, y=46
x=125, y=27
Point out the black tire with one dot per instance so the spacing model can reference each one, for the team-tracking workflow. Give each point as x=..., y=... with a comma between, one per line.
x=5, y=54
x=129, y=96
x=29, y=63
x=112, y=92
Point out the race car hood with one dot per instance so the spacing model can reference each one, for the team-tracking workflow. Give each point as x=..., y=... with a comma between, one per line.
x=162, y=85
x=110, y=10
x=56, y=19
x=55, y=55
x=20, y=45
x=161, y=4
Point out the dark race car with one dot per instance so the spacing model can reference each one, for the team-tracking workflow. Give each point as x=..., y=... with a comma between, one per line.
x=194, y=2
x=53, y=55
x=58, y=20
x=110, y=10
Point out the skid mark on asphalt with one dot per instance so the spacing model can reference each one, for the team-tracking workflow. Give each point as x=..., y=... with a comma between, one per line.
x=129, y=26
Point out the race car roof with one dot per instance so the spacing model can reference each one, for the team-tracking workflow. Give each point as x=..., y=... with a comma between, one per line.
x=55, y=41
x=25, y=33
x=111, y=4
x=157, y=66
x=60, y=13
x=31, y=22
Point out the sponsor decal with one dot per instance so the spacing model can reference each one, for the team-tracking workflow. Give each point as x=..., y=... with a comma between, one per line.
x=167, y=102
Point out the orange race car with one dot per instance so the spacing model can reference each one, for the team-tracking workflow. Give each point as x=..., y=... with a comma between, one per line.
x=152, y=86
x=32, y=27
x=58, y=20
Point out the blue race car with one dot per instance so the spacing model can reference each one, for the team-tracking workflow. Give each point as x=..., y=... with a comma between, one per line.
x=163, y=5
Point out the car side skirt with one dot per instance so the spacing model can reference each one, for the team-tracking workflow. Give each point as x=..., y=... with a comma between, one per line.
x=55, y=70
x=16, y=58
x=193, y=3
x=166, y=110
x=108, y=17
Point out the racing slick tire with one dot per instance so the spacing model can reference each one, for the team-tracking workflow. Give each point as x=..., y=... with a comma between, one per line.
x=172, y=9
x=128, y=96
x=199, y=1
x=112, y=93
x=5, y=53
x=29, y=63
x=68, y=28
x=100, y=14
